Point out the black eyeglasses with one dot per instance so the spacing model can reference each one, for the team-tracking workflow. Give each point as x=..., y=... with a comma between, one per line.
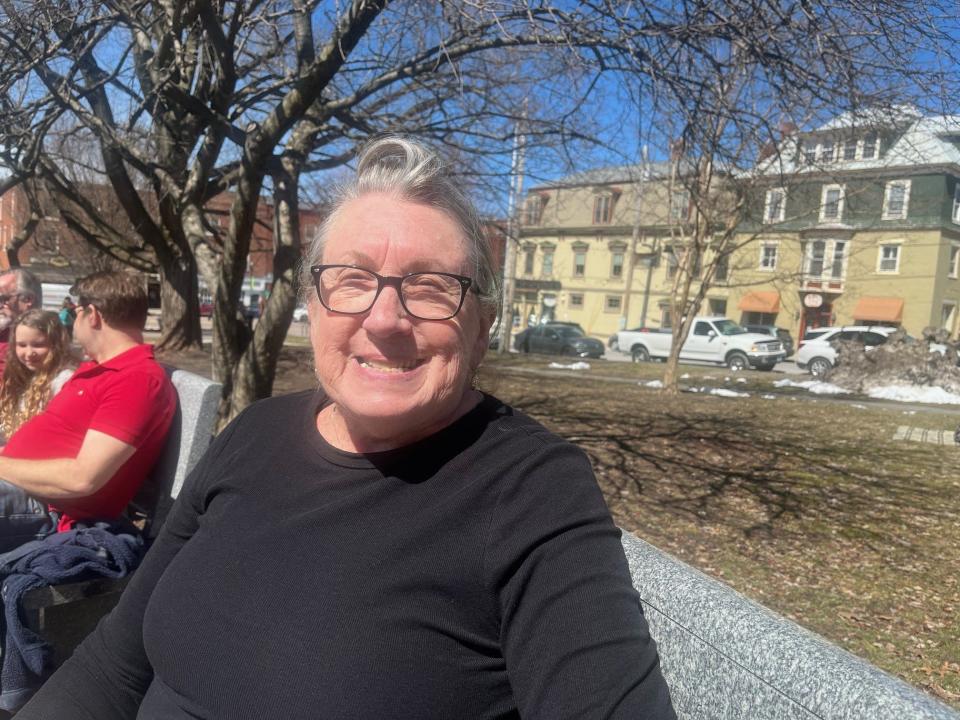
x=425, y=295
x=7, y=299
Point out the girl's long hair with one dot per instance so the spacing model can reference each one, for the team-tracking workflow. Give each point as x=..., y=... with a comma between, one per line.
x=25, y=393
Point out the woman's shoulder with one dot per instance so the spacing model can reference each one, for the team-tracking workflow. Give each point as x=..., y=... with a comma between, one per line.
x=514, y=424
x=60, y=379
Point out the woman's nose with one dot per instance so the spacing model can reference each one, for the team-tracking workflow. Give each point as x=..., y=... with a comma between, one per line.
x=387, y=314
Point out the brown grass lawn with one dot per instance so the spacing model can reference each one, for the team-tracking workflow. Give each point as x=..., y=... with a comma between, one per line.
x=806, y=505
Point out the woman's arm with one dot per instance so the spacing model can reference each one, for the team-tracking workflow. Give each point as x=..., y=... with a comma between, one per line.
x=572, y=630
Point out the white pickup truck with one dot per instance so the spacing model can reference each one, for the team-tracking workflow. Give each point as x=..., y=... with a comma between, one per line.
x=711, y=339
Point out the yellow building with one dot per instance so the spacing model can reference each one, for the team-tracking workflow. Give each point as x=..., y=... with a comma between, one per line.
x=600, y=248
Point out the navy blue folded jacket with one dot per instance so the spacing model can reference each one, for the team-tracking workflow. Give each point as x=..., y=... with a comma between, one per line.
x=100, y=550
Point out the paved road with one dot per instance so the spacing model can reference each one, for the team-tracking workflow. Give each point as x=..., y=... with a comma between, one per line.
x=787, y=367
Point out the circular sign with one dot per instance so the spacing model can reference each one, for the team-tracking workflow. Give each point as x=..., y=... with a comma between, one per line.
x=549, y=300
x=812, y=300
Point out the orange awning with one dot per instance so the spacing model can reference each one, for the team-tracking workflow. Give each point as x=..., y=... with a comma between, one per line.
x=879, y=309
x=761, y=301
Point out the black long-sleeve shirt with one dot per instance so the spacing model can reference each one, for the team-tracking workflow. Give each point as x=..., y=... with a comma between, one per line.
x=474, y=574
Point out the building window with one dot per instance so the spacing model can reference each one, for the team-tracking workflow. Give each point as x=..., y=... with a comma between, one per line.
x=839, y=255
x=953, y=270
x=602, y=209
x=826, y=151
x=831, y=203
x=814, y=258
x=722, y=269
x=612, y=303
x=579, y=263
x=850, y=149
x=616, y=264
x=810, y=153
x=576, y=300
x=956, y=203
x=672, y=262
x=533, y=210
x=896, y=198
x=547, y=263
x=718, y=306
x=679, y=206
x=666, y=319
x=775, y=206
x=768, y=256
x=888, y=259
x=948, y=317
x=869, y=147
x=528, y=261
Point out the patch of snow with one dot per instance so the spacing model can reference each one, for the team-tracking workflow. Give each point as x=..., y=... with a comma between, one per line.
x=652, y=384
x=769, y=397
x=728, y=393
x=909, y=412
x=913, y=393
x=858, y=406
x=817, y=387
x=727, y=379
x=685, y=376
x=741, y=380
x=571, y=366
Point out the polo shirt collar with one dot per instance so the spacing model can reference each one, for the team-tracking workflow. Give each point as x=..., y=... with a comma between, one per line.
x=133, y=356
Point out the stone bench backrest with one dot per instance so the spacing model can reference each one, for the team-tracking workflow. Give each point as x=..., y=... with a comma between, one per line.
x=727, y=658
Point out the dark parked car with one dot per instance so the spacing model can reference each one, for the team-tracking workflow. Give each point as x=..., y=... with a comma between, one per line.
x=777, y=332
x=559, y=339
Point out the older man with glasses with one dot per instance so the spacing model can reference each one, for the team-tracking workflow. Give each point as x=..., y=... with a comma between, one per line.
x=20, y=291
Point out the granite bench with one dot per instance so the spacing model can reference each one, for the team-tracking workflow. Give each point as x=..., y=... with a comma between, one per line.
x=65, y=614
x=727, y=658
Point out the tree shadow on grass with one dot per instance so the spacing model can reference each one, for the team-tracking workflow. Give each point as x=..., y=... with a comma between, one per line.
x=742, y=472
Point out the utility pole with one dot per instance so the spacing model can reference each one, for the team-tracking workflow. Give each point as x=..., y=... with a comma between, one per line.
x=510, y=249
x=634, y=240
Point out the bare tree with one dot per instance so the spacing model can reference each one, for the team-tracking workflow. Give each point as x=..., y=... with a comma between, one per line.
x=188, y=100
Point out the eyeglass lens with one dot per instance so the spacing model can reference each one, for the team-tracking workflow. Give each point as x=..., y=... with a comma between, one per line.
x=428, y=296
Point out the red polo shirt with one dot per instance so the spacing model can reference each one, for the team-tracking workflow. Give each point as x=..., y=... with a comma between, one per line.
x=128, y=397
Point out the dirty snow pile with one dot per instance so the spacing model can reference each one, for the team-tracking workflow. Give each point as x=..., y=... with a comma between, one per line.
x=817, y=387
x=656, y=384
x=719, y=392
x=911, y=393
x=571, y=366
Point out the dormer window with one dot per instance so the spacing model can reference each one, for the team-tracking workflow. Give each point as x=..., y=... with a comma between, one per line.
x=679, y=206
x=850, y=149
x=826, y=151
x=869, y=147
x=603, y=209
x=533, y=209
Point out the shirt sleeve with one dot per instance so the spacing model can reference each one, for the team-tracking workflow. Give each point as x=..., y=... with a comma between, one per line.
x=573, y=634
x=109, y=673
x=127, y=408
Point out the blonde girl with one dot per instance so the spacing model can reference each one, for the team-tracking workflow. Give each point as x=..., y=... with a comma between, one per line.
x=38, y=364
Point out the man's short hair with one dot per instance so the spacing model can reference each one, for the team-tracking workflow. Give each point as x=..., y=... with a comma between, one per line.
x=120, y=297
x=27, y=284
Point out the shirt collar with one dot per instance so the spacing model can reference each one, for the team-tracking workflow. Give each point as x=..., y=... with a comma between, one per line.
x=133, y=356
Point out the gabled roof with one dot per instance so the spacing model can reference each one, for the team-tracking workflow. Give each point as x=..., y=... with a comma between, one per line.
x=609, y=176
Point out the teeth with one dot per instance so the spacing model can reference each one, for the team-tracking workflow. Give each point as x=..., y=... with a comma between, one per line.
x=386, y=367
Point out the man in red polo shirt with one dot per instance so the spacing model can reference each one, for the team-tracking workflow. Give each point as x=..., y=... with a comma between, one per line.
x=85, y=456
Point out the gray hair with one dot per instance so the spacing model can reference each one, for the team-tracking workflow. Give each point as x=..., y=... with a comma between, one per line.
x=27, y=284
x=409, y=170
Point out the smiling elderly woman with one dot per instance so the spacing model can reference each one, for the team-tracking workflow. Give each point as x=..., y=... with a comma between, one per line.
x=395, y=544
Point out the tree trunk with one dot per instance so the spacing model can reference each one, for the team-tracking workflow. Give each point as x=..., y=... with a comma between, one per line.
x=252, y=377
x=180, y=305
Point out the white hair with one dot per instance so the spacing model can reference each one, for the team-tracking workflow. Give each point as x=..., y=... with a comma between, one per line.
x=412, y=171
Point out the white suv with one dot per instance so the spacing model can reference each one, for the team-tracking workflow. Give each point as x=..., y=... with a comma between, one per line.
x=817, y=354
